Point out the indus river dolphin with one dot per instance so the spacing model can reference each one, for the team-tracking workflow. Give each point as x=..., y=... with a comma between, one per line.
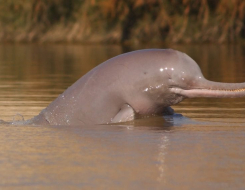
x=135, y=84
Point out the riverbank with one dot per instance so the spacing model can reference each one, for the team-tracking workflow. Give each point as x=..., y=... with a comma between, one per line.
x=110, y=21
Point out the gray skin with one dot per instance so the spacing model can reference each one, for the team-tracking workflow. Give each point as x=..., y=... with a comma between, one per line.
x=135, y=84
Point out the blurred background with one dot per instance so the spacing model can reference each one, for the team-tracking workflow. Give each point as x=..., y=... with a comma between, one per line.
x=127, y=21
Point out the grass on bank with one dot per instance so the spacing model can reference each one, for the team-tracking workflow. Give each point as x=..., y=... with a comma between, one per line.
x=115, y=21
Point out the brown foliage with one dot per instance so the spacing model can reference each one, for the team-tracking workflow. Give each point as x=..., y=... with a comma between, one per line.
x=129, y=20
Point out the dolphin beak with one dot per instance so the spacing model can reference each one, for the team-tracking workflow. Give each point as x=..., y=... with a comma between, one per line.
x=206, y=88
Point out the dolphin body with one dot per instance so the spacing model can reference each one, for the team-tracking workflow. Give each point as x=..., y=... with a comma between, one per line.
x=131, y=85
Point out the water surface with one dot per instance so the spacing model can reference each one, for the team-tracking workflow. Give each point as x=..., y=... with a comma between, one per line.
x=207, y=151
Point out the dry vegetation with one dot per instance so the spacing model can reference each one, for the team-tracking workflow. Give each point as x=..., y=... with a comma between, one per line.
x=115, y=21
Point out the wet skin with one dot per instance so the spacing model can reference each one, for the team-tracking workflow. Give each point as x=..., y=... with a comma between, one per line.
x=135, y=84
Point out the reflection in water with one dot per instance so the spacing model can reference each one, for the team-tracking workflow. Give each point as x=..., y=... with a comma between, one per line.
x=164, y=142
x=204, y=148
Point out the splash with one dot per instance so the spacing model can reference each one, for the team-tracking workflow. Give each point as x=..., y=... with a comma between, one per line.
x=18, y=119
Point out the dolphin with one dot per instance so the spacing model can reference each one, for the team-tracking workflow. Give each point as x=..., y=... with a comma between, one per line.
x=132, y=85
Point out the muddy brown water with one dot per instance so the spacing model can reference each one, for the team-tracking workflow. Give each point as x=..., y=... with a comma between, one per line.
x=206, y=149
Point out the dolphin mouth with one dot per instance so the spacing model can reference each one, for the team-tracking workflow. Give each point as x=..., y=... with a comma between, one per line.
x=204, y=92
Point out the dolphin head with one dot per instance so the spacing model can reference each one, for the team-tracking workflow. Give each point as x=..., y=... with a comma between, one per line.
x=176, y=76
x=188, y=81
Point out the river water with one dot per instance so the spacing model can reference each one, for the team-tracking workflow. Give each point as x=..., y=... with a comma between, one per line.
x=204, y=149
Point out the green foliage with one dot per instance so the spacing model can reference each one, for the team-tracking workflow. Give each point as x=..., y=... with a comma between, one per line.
x=15, y=12
x=124, y=20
